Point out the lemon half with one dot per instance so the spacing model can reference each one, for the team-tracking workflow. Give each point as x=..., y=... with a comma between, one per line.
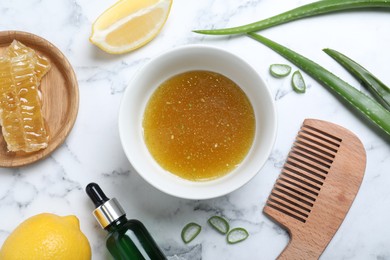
x=129, y=24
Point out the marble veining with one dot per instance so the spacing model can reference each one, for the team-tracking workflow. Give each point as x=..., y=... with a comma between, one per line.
x=92, y=152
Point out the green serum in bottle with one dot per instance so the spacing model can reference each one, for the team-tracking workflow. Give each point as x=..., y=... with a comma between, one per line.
x=127, y=239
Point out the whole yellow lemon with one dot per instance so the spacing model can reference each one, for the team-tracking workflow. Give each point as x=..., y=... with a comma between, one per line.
x=47, y=236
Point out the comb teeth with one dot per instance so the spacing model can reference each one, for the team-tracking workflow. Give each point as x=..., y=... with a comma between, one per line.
x=304, y=173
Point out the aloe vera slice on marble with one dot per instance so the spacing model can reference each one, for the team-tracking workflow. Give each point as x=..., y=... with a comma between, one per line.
x=237, y=235
x=190, y=232
x=220, y=224
x=377, y=88
x=312, y=9
x=358, y=100
x=279, y=70
x=298, y=83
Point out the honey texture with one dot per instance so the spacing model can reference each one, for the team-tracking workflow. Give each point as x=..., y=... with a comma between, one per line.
x=199, y=125
x=23, y=125
x=41, y=63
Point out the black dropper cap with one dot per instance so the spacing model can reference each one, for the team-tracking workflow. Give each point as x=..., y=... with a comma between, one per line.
x=96, y=194
x=107, y=210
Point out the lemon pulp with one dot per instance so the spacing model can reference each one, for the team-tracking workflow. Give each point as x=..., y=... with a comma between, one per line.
x=129, y=24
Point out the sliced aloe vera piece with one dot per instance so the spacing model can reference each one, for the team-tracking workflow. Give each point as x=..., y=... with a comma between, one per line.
x=298, y=83
x=190, y=231
x=279, y=70
x=220, y=224
x=237, y=235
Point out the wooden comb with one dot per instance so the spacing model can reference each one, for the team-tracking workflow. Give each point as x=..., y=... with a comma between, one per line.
x=316, y=187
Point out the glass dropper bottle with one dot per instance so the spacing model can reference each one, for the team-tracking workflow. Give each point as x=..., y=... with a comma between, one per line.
x=127, y=239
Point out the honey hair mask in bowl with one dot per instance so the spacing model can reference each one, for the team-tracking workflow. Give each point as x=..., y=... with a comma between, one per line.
x=199, y=125
x=197, y=122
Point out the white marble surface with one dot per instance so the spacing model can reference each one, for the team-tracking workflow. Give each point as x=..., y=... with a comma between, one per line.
x=93, y=152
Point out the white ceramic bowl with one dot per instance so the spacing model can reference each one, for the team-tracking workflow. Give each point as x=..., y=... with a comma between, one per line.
x=159, y=69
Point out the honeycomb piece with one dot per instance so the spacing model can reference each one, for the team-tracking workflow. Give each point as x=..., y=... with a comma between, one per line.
x=42, y=64
x=23, y=126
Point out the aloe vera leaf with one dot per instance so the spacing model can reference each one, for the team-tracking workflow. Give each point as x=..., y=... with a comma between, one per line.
x=358, y=100
x=312, y=9
x=377, y=88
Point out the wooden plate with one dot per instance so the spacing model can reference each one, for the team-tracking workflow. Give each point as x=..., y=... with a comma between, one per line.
x=60, y=97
